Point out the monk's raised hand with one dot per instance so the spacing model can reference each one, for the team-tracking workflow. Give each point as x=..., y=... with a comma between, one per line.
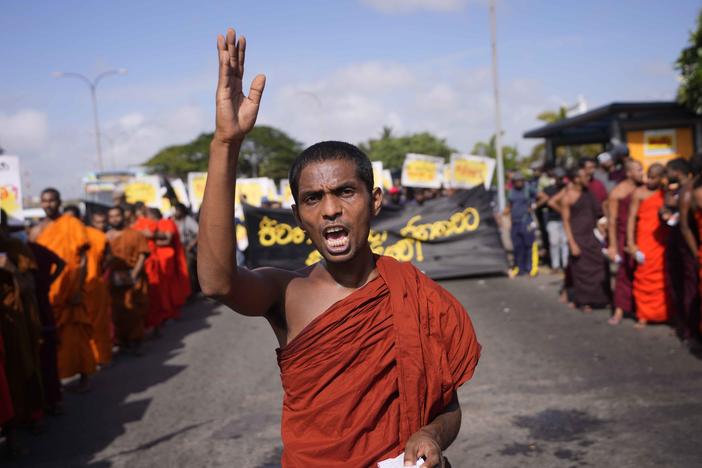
x=236, y=113
x=423, y=445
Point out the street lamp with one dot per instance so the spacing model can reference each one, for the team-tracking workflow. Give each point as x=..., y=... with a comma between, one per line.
x=92, y=84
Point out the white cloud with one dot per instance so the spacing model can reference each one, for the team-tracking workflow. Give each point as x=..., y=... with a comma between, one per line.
x=23, y=131
x=406, y=6
x=356, y=102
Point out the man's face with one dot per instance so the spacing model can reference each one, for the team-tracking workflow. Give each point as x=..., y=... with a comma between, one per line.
x=179, y=213
x=50, y=203
x=590, y=168
x=335, y=210
x=635, y=172
x=582, y=178
x=654, y=178
x=519, y=184
x=99, y=221
x=116, y=219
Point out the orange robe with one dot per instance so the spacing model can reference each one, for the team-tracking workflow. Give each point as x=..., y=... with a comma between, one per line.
x=373, y=369
x=6, y=410
x=159, y=300
x=173, y=268
x=130, y=304
x=97, y=297
x=650, y=291
x=66, y=236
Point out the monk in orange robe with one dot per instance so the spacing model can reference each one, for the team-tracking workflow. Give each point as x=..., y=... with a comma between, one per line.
x=371, y=351
x=647, y=236
x=159, y=297
x=66, y=236
x=129, y=286
x=97, y=294
x=173, y=266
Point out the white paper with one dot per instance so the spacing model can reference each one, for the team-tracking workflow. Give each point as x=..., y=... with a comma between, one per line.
x=398, y=462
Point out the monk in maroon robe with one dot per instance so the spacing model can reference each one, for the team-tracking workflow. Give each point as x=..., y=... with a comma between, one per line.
x=371, y=351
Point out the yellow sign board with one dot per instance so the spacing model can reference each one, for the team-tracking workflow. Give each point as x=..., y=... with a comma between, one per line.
x=469, y=171
x=145, y=189
x=659, y=146
x=423, y=171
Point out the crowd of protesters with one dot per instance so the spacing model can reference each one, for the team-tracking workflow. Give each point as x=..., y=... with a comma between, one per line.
x=623, y=238
x=75, y=292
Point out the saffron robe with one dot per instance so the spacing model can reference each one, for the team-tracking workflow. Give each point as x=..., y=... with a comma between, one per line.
x=6, y=410
x=47, y=262
x=650, y=289
x=173, y=268
x=130, y=304
x=589, y=270
x=97, y=297
x=623, y=293
x=67, y=237
x=372, y=369
x=21, y=330
x=159, y=300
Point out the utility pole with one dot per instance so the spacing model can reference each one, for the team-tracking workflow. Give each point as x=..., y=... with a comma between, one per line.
x=498, y=118
x=92, y=84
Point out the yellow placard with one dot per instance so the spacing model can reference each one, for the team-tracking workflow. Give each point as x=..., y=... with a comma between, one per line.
x=9, y=200
x=145, y=190
x=421, y=170
x=468, y=171
x=659, y=146
x=196, y=189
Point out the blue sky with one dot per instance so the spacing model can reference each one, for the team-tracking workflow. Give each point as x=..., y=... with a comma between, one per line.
x=336, y=69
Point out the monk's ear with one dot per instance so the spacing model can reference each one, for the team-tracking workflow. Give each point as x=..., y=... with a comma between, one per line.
x=376, y=201
x=296, y=214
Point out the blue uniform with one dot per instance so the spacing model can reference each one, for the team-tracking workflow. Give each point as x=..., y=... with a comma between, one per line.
x=522, y=234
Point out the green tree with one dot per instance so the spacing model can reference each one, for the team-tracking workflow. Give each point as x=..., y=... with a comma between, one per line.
x=391, y=149
x=510, y=154
x=689, y=64
x=269, y=149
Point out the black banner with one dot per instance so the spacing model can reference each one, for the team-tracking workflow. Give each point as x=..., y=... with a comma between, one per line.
x=445, y=237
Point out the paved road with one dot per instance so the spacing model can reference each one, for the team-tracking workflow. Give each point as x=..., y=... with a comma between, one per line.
x=554, y=388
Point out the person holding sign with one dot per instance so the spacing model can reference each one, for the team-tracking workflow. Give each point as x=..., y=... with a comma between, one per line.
x=371, y=350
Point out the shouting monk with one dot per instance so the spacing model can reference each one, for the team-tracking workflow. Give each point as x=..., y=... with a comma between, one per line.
x=129, y=286
x=66, y=236
x=647, y=237
x=619, y=201
x=371, y=350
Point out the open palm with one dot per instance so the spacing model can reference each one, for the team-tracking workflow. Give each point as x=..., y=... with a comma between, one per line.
x=236, y=113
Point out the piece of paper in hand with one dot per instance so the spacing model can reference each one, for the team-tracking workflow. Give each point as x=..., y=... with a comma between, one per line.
x=398, y=462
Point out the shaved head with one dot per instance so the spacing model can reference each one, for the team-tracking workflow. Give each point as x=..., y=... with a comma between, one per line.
x=656, y=170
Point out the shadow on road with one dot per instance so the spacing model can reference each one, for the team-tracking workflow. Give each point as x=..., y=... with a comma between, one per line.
x=93, y=420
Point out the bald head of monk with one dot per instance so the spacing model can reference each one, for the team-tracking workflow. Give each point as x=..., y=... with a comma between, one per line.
x=98, y=220
x=72, y=210
x=634, y=171
x=51, y=202
x=654, y=176
x=332, y=184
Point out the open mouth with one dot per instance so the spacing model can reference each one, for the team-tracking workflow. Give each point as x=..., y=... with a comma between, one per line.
x=336, y=238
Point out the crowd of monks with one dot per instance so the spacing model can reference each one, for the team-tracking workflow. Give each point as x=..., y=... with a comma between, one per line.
x=74, y=292
x=633, y=240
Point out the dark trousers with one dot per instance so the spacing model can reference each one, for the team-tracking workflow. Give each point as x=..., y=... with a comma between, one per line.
x=522, y=241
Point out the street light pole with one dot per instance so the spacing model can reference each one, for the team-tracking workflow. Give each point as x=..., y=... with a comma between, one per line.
x=501, y=202
x=92, y=84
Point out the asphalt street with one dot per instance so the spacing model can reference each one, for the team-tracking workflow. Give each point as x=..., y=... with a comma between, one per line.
x=554, y=388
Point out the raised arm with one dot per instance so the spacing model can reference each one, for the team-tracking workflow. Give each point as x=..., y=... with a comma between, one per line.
x=247, y=292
